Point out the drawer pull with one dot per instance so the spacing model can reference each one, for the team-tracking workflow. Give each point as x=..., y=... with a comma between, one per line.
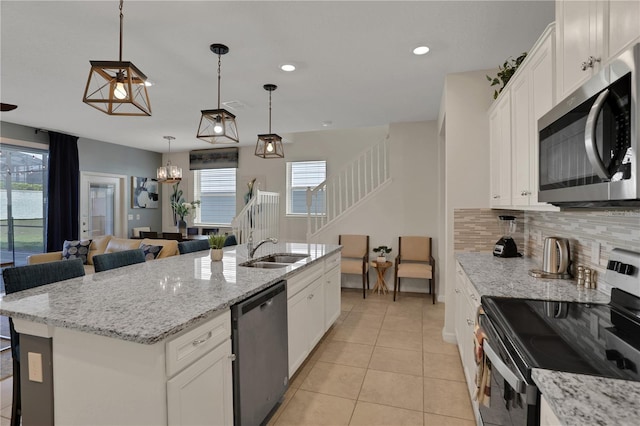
x=469, y=322
x=232, y=357
x=473, y=297
x=457, y=290
x=198, y=342
x=310, y=296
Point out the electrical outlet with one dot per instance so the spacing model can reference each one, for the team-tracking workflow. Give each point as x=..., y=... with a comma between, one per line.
x=595, y=253
x=138, y=217
x=130, y=217
x=35, y=366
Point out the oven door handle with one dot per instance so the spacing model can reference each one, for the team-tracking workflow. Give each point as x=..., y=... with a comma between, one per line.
x=590, y=144
x=517, y=383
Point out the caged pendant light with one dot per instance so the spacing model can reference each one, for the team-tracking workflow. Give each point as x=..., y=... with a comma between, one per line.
x=218, y=125
x=269, y=145
x=117, y=87
x=169, y=173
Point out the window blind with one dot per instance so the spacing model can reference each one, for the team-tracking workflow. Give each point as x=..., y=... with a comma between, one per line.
x=216, y=190
x=303, y=174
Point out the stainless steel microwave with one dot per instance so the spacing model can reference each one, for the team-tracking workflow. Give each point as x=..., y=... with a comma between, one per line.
x=588, y=143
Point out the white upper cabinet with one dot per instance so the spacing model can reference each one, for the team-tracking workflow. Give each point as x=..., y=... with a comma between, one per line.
x=589, y=34
x=500, y=150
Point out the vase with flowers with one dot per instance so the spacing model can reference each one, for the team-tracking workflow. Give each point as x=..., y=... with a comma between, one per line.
x=182, y=210
x=382, y=251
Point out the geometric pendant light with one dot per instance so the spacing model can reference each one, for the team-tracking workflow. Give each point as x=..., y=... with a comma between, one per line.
x=269, y=145
x=169, y=173
x=117, y=87
x=218, y=125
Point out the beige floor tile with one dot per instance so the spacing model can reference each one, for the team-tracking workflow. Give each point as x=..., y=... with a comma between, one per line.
x=343, y=315
x=447, y=398
x=432, y=324
x=309, y=408
x=443, y=366
x=396, y=361
x=399, y=309
x=364, y=335
x=363, y=319
x=288, y=395
x=436, y=420
x=371, y=307
x=301, y=374
x=345, y=353
x=409, y=340
x=394, y=389
x=346, y=306
x=435, y=344
x=392, y=322
x=368, y=414
x=6, y=389
x=334, y=379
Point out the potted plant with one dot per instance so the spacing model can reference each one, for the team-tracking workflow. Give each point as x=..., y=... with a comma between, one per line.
x=216, y=242
x=382, y=251
x=505, y=72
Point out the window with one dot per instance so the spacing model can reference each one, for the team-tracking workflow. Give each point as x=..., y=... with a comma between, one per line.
x=300, y=175
x=216, y=190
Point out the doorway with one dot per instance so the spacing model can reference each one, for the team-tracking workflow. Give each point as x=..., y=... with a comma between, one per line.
x=102, y=205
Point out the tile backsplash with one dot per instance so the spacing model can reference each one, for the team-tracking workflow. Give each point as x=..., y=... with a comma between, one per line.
x=477, y=230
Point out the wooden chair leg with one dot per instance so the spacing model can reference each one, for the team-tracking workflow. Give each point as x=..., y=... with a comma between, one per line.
x=364, y=291
x=432, y=289
x=395, y=287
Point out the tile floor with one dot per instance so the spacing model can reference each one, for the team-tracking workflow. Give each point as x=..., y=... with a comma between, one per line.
x=382, y=363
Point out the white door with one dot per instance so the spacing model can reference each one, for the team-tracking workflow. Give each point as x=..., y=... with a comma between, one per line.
x=102, y=204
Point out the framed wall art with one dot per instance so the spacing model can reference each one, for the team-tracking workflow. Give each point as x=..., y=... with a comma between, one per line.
x=144, y=193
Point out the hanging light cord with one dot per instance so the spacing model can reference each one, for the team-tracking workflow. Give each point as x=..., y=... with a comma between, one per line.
x=121, y=26
x=219, y=62
x=269, y=111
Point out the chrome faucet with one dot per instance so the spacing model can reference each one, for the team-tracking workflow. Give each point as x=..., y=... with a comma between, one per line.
x=252, y=250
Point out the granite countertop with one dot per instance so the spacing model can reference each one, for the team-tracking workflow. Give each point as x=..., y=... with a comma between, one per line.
x=146, y=303
x=576, y=399
x=509, y=277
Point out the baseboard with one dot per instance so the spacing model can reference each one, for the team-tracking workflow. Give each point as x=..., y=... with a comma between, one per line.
x=449, y=337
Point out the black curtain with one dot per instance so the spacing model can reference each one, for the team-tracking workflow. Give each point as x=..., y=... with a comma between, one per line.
x=63, y=212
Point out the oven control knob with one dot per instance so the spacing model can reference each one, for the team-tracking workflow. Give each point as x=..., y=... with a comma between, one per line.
x=628, y=270
x=613, y=355
x=612, y=265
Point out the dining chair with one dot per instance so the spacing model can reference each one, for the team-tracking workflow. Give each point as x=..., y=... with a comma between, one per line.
x=148, y=234
x=355, y=258
x=172, y=236
x=24, y=278
x=414, y=260
x=136, y=231
x=117, y=259
x=192, y=246
x=209, y=231
x=193, y=231
x=230, y=241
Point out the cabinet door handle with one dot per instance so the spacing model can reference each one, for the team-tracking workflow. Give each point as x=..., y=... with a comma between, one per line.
x=589, y=63
x=198, y=342
x=469, y=322
x=310, y=296
x=495, y=197
x=457, y=290
x=232, y=357
x=473, y=297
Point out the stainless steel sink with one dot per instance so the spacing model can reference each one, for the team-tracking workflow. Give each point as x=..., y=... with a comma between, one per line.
x=274, y=261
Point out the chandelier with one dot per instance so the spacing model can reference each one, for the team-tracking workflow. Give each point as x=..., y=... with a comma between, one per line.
x=169, y=173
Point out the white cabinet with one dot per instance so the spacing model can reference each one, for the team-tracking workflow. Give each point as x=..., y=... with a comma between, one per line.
x=547, y=416
x=202, y=393
x=467, y=304
x=198, y=364
x=332, y=297
x=590, y=33
x=500, y=150
x=513, y=126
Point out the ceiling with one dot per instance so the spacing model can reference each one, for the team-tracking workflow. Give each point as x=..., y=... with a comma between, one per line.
x=354, y=59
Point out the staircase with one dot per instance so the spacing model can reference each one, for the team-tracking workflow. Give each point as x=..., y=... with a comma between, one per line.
x=261, y=215
x=342, y=192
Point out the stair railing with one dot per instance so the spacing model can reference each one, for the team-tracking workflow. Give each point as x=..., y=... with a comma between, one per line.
x=260, y=215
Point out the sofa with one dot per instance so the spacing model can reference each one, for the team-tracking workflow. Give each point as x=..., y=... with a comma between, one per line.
x=109, y=244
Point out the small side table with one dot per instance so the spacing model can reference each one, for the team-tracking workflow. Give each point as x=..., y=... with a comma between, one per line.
x=381, y=268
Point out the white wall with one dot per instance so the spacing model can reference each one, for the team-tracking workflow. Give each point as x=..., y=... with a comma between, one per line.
x=466, y=141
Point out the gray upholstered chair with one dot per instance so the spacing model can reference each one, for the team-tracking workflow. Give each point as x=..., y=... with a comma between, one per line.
x=148, y=234
x=192, y=246
x=117, y=259
x=230, y=241
x=172, y=236
x=414, y=260
x=355, y=257
x=24, y=278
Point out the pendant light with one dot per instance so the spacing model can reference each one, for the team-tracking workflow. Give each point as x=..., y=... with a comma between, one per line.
x=270, y=144
x=218, y=125
x=117, y=87
x=169, y=173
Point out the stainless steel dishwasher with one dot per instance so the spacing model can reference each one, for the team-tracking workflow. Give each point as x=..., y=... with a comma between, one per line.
x=260, y=344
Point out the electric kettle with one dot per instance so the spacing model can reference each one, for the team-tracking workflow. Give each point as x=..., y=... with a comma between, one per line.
x=556, y=259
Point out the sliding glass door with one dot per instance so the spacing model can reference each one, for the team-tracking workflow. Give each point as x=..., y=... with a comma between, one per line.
x=23, y=190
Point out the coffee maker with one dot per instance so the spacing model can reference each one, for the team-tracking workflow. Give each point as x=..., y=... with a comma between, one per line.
x=506, y=246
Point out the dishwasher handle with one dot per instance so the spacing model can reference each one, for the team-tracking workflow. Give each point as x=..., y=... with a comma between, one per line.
x=260, y=300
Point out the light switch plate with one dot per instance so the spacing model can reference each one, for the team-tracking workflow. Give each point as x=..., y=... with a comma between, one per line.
x=35, y=366
x=130, y=217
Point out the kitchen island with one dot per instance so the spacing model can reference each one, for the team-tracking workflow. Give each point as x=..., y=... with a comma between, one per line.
x=121, y=338
x=574, y=399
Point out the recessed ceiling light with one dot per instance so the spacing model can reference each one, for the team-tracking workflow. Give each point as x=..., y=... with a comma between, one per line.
x=288, y=67
x=327, y=123
x=420, y=50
